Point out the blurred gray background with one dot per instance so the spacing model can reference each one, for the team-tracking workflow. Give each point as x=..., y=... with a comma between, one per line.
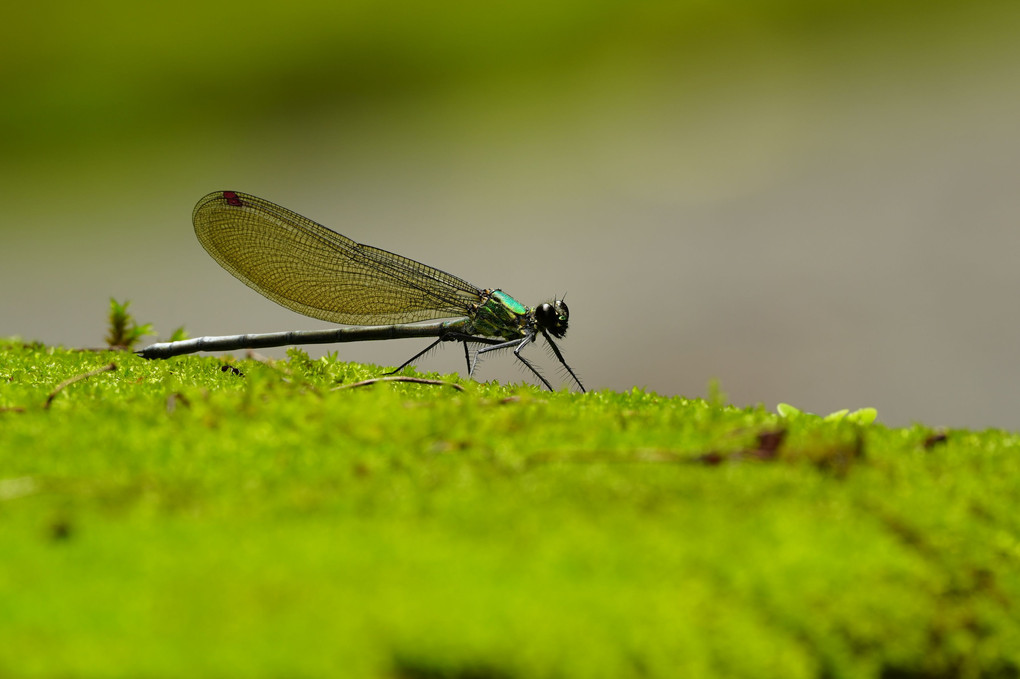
x=813, y=203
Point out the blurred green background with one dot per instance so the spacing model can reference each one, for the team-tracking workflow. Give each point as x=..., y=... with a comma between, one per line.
x=814, y=202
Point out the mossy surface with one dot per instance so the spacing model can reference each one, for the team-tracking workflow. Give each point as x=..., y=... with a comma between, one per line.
x=207, y=516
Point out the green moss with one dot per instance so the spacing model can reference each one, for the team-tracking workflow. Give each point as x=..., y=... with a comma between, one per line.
x=173, y=518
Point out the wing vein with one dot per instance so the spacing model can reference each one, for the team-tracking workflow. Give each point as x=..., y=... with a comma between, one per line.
x=315, y=271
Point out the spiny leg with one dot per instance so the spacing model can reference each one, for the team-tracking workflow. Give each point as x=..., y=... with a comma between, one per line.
x=556, y=350
x=464, y=339
x=448, y=337
x=500, y=344
x=518, y=345
x=517, y=353
x=417, y=356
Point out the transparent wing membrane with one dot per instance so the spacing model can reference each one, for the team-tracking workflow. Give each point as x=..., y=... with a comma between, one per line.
x=315, y=271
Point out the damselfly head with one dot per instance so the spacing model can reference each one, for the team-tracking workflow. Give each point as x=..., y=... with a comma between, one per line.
x=553, y=317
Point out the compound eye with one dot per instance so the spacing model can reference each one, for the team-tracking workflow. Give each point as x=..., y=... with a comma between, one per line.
x=552, y=317
x=546, y=315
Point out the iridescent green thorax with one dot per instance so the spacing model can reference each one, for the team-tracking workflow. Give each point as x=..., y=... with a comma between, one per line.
x=500, y=315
